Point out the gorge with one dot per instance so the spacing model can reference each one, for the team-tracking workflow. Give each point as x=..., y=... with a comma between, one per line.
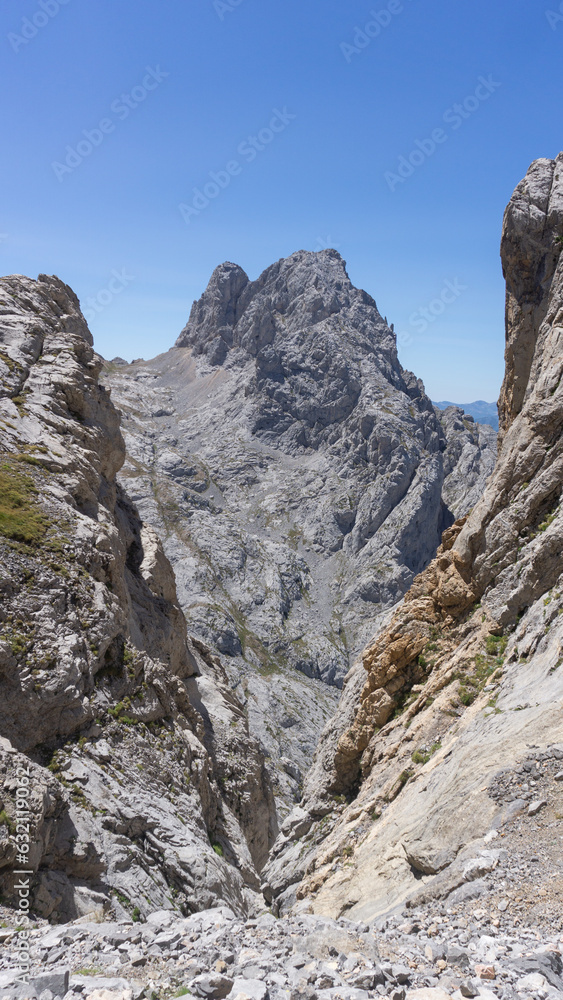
x=281, y=643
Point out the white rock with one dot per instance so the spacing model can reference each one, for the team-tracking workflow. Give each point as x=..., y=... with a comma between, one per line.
x=533, y=981
x=428, y=993
x=248, y=989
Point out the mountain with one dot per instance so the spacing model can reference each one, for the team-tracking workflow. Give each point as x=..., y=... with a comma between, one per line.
x=299, y=479
x=437, y=783
x=283, y=453
x=157, y=774
x=484, y=413
x=135, y=752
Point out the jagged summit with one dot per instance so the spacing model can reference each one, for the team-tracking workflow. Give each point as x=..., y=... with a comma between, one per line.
x=300, y=479
x=316, y=351
x=308, y=292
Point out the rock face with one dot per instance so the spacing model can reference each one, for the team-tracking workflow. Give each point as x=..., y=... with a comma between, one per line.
x=138, y=753
x=470, y=453
x=466, y=675
x=299, y=479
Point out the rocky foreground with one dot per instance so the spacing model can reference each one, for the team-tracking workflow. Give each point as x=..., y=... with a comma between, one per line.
x=461, y=950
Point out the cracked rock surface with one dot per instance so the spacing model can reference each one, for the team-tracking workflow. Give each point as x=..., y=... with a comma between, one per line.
x=424, y=765
x=146, y=789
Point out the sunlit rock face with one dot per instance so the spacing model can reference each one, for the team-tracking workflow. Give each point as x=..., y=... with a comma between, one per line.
x=459, y=694
x=137, y=753
x=299, y=478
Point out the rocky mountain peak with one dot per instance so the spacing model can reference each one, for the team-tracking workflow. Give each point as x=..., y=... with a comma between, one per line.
x=299, y=479
x=209, y=329
x=306, y=295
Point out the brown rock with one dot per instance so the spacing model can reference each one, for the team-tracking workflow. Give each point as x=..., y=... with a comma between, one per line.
x=485, y=971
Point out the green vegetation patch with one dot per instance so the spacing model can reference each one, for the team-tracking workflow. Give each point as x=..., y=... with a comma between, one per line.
x=21, y=518
x=423, y=756
x=496, y=644
x=119, y=711
x=483, y=667
x=13, y=366
x=5, y=820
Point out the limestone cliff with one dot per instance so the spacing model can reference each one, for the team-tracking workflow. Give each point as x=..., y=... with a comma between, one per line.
x=146, y=789
x=299, y=479
x=465, y=679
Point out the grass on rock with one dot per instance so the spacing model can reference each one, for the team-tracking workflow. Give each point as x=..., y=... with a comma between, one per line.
x=20, y=516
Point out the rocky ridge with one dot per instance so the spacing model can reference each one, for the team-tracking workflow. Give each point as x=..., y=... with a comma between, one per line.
x=299, y=479
x=146, y=789
x=461, y=692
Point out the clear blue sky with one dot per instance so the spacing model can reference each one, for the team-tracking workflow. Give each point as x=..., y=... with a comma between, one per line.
x=320, y=180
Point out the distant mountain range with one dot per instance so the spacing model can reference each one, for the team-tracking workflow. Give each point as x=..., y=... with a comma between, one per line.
x=483, y=413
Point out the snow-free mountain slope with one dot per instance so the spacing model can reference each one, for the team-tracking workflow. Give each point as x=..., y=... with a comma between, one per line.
x=299, y=479
x=482, y=412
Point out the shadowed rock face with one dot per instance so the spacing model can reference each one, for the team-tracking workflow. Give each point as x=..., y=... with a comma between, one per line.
x=466, y=674
x=299, y=478
x=138, y=752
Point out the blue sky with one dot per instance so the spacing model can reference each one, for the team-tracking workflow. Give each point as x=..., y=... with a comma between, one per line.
x=349, y=89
